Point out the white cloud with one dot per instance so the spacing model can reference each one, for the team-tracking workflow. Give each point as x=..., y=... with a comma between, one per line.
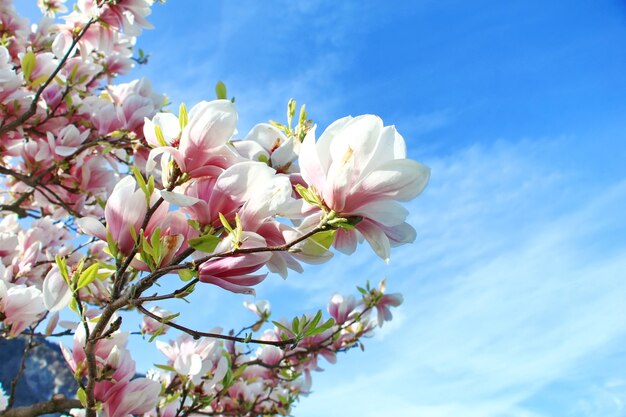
x=516, y=284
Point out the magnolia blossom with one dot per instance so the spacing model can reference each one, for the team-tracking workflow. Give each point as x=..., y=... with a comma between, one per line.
x=198, y=359
x=341, y=308
x=151, y=326
x=135, y=397
x=201, y=148
x=56, y=292
x=265, y=143
x=358, y=168
x=261, y=307
x=51, y=7
x=235, y=273
x=20, y=306
x=227, y=214
x=125, y=209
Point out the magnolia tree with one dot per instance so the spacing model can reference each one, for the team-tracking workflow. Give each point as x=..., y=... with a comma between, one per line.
x=105, y=192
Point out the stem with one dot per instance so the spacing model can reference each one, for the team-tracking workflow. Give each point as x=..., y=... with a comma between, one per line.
x=197, y=334
x=20, y=371
x=33, y=105
x=57, y=404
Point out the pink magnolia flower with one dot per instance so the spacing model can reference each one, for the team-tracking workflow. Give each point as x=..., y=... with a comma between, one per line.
x=66, y=141
x=127, y=15
x=250, y=189
x=261, y=307
x=174, y=234
x=385, y=301
x=265, y=143
x=125, y=209
x=235, y=273
x=150, y=325
x=341, y=308
x=201, y=149
x=196, y=358
x=358, y=167
x=51, y=7
x=20, y=306
x=56, y=292
x=76, y=356
x=134, y=397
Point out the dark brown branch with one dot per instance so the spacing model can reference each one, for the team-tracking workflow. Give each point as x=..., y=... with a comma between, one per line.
x=57, y=404
x=197, y=334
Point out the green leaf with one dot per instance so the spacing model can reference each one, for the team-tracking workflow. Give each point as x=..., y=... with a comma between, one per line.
x=291, y=110
x=280, y=326
x=142, y=183
x=206, y=243
x=165, y=367
x=225, y=223
x=156, y=333
x=39, y=80
x=73, y=73
x=74, y=306
x=330, y=323
x=82, y=396
x=220, y=90
x=62, y=264
x=316, y=319
x=183, y=118
x=87, y=276
x=159, y=135
x=325, y=239
x=155, y=242
x=309, y=195
x=29, y=62
x=169, y=318
x=185, y=274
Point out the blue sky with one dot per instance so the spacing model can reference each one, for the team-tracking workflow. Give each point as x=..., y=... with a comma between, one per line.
x=515, y=291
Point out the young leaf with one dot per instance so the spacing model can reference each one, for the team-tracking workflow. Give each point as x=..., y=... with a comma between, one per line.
x=62, y=264
x=206, y=243
x=159, y=135
x=82, y=396
x=29, y=62
x=220, y=90
x=166, y=367
x=185, y=274
x=225, y=223
x=87, y=276
x=325, y=239
x=280, y=326
x=156, y=333
x=183, y=118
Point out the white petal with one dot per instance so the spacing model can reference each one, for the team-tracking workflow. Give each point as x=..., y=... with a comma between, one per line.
x=180, y=200
x=400, y=179
x=92, y=226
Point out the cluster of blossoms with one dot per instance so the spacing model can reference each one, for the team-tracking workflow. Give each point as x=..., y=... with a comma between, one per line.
x=104, y=193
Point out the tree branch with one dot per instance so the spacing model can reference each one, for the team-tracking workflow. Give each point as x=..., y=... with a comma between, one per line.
x=197, y=334
x=58, y=404
x=33, y=105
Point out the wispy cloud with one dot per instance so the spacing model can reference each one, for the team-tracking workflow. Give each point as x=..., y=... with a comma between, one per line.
x=511, y=290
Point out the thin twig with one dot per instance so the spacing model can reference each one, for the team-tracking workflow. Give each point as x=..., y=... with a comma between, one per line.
x=20, y=371
x=197, y=334
x=33, y=105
